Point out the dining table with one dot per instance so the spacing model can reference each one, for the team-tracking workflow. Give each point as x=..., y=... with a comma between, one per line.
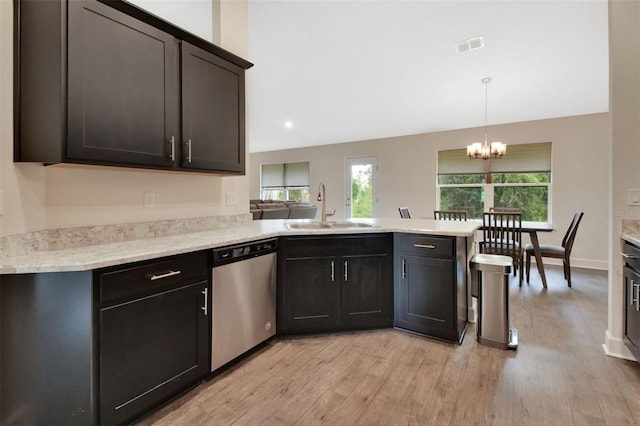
x=532, y=228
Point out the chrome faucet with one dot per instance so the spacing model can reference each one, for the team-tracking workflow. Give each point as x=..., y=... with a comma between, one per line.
x=322, y=197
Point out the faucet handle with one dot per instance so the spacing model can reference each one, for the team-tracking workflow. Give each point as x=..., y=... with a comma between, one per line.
x=331, y=213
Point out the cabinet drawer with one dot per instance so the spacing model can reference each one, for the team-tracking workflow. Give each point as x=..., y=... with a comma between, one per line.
x=138, y=279
x=426, y=246
x=331, y=245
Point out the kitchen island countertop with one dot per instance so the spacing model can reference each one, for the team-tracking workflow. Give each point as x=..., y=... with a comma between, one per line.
x=104, y=255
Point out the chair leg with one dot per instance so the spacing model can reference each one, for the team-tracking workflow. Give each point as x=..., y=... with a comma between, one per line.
x=567, y=271
x=528, y=266
x=521, y=267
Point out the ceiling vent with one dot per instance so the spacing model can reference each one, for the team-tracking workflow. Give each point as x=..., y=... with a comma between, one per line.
x=470, y=44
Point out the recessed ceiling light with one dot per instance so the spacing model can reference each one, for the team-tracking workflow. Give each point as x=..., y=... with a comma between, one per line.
x=288, y=124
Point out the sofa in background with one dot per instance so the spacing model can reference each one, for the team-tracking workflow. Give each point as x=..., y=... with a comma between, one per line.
x=275, y=209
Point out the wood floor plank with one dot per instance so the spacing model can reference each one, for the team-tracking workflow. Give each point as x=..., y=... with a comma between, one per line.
x=559, y=374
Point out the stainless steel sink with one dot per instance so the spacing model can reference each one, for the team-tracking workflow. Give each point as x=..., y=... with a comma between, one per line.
x=326, y=225
x=350, y=225
x=309, y=225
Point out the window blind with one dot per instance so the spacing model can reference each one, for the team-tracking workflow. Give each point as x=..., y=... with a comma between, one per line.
x=272, y=175
x=530, y=157
x=289, y=174
x=296, y=174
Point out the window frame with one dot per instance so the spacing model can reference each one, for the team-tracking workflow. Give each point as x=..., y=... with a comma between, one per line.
x=489, y=194
x=285, y=177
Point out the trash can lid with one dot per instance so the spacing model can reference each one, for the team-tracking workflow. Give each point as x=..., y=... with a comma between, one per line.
x=491, y=263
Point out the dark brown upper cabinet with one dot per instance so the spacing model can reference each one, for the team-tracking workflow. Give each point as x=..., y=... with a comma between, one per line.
x=212, y=111
x=105, y=83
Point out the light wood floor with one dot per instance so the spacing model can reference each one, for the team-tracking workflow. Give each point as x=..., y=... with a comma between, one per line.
x=559, y=374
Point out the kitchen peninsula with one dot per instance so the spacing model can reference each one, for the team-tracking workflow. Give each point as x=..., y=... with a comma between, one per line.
x=59, y=330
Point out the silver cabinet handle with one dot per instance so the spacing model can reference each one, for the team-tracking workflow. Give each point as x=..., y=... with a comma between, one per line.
x=167, y=275
x=333, y=271
x=346, y=271
x=205, y=308
x=427, y=246
x=404, y=268
x=629, y=256
x=635, y=295
x=172, y=141
x=189, y=151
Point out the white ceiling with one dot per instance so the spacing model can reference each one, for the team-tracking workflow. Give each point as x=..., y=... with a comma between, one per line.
x=354, y=70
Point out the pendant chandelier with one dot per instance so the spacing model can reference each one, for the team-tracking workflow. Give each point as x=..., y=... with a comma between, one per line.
x=495, y=149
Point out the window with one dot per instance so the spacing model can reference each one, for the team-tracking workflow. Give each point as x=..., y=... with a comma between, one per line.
x=521, y=179
x=289, y=181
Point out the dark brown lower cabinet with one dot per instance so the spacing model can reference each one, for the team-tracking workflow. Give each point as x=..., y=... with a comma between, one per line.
x=154, y=333
x=430, y=295
x=150, y=349
x=632, y=311
x=335, y=282
x=102, y=347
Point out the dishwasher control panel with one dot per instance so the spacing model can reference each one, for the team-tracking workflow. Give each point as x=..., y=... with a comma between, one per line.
x=229, y=254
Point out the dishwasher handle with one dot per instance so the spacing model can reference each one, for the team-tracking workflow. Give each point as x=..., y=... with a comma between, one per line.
x=205, y=308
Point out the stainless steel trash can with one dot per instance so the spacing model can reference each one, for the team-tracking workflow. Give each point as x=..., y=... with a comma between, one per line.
x=493, y=300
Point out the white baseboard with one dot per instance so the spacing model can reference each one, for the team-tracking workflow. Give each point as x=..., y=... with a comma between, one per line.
x=615, y=347
x=577, y=263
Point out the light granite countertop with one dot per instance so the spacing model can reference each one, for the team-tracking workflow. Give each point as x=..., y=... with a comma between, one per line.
x=631, y=231
x=103, y=255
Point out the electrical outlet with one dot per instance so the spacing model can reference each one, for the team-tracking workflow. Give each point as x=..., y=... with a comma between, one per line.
x=149, y=199
x=232, y=198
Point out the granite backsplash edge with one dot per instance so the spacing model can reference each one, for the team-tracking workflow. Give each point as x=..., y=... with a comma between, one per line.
x=65, y=238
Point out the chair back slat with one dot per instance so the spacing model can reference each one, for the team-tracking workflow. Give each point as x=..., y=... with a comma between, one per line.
x=449, y=215
x=567, y=242
x=573, y=226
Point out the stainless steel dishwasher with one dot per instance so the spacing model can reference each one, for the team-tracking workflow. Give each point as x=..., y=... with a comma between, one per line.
x=243, y=299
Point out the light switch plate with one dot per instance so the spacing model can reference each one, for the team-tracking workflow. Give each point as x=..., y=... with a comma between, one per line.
x=149, y=199
x=633, y=197
x=232, y=198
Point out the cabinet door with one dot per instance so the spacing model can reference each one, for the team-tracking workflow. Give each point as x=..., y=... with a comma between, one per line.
x=150, y=348
x=212, y=112
x=311, y=288
x=425, y=296
x=366, y=291
x=122, y=88
x=631, y=310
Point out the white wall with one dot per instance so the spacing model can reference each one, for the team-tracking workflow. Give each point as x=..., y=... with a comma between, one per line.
x=407, y=173
x=624, y=51
x=35, y=197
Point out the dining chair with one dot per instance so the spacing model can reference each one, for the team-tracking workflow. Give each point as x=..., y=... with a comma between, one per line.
x=404, y=212
x=502, y=234
x=449, y=215
x=558, y=252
